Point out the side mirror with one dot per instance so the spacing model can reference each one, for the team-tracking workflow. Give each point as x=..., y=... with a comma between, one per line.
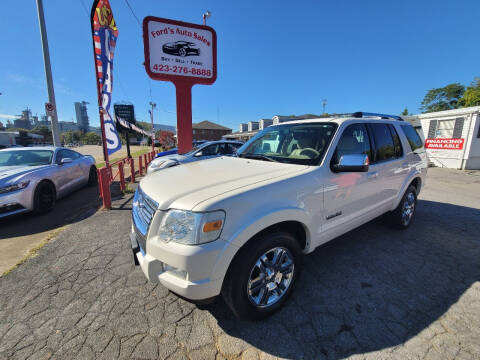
x=65, y=161
x=198, y=154
x=352, y=163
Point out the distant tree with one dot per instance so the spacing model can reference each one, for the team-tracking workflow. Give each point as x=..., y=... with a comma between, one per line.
x=165, y=138
x=2, y=128
x=404, y=112
x=445, y=98
x=9, y=124
x=144, y=125
x=44, y=131
x=471, y=97
x=91, y=138
x=71, y=137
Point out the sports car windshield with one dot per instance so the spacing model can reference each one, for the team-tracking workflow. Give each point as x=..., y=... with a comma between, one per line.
x=25, y=157
x=303, y=144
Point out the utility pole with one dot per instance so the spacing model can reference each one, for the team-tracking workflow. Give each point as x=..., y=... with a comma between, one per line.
x=48, y=73
x=153, y=105
x=324, y=103
x=206, y=16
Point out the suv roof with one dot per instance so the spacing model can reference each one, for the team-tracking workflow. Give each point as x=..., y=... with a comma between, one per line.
x=341, y=118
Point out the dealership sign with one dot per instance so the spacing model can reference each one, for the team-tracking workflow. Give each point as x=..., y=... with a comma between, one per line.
x=175, y=50
x=444, y=144
x=185, y=54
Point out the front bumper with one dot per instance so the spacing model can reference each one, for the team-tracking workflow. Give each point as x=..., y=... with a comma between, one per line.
x=185, y=270
x=16, y=202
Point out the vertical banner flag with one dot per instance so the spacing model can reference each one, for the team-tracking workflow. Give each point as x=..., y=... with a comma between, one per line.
x=105, y=34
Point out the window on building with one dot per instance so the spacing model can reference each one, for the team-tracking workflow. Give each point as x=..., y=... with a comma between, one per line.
x=445, y=128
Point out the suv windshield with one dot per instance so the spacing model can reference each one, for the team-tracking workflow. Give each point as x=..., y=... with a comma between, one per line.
x=290, y=143
x=25, y=157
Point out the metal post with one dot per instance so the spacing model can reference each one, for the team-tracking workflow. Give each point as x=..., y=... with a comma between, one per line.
x=153, y=105
x=48, y=73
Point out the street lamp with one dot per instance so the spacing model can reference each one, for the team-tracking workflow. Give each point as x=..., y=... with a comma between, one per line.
x=206, y=15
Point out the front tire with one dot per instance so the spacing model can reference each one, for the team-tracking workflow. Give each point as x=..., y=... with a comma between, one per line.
x=262, y=276
x=182, y=52
x=92, y=177
x=402, y=216
x=44, y=198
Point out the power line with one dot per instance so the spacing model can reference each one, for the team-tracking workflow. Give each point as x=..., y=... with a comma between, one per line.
x=133, y=13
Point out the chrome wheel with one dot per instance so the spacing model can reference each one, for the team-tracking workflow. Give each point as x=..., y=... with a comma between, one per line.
x=408, y=208
x=270, y=277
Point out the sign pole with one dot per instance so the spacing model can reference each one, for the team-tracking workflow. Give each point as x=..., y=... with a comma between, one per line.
x=184, y=116
x=48, y=73
x=127, y=135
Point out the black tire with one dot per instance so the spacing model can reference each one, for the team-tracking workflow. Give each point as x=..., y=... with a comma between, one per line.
x=44, y=198
x=92, y=177
x=236, y=285
x=182, y=52
x=403, y=215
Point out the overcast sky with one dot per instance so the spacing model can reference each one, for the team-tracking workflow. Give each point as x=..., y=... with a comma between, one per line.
x=274, y=57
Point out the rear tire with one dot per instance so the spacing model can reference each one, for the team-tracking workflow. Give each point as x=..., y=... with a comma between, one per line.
x=262, y=276
x=92, y=177
x=402, y=216
x=44, y=198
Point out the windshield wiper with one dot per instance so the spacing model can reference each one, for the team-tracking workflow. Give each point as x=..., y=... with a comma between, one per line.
x=257, y=157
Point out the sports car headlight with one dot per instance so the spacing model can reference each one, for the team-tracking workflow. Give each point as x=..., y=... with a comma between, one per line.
x=191, y=228
x=14, y=187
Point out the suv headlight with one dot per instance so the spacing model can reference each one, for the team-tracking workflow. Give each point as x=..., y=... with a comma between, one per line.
x=14, y=187
x=191, y=228
x=156, y=164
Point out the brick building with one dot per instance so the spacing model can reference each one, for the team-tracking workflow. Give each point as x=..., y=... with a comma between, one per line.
x=207, y=130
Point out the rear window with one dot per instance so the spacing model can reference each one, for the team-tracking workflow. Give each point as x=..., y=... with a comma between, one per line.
x=385, y=147
x=412, y=136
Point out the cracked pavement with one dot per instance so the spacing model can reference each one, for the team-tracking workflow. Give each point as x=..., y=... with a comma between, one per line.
x=374, y=293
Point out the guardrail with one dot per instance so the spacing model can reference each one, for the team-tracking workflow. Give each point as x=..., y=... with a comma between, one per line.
x=117, y=170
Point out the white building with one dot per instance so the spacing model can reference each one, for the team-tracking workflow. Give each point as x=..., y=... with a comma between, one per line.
x=263, y=123
x=243, y=127
x=252, y=125
x=453, y=137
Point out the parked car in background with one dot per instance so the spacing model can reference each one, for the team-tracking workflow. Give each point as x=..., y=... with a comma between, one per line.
x=239, y=226
x=204, y=151
x=195, y=143
x=33, y=178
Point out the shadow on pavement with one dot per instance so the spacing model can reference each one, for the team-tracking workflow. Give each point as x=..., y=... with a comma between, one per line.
x=70, y=209
x=373, y=288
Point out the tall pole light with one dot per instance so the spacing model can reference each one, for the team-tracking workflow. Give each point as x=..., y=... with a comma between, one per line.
x=206, y=15
x=324, y=103
x=153, y=105
x=48, y=73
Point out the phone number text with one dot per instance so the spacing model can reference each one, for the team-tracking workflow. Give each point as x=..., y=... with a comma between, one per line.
x=181, y=70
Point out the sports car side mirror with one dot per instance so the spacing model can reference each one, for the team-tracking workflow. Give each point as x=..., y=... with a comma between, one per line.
x=198, y=154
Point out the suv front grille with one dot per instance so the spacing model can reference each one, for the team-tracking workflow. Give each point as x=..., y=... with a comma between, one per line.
x=143, y=210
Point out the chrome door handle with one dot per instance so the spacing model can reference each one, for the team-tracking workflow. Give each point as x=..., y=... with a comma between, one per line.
x=372, y=175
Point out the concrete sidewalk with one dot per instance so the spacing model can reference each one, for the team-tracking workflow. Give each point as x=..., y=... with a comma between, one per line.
x=373, y=293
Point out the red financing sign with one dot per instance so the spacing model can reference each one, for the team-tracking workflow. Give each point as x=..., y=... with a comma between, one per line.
x=185, y=54
x=444, y=144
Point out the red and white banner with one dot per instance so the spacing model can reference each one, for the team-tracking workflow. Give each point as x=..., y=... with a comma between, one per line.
x=444, y=144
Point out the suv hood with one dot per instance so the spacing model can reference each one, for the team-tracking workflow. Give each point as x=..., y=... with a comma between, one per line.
x=183, y=187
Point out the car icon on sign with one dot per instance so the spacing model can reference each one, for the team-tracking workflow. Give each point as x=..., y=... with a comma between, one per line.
x=181, y=48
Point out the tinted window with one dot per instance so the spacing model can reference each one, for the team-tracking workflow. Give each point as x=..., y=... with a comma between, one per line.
x=412, y=137
x=384, y=146
x=396, y=141
x=354, y=140
x=210, y=150
x=61, y=154
x=25, y=157
x=72, y=154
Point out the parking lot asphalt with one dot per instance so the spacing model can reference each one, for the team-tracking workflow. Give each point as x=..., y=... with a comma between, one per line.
x=373, y=293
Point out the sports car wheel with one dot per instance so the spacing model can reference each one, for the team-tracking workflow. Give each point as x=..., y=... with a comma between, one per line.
x=92, y=177
x=44, y=198
x=182, y=52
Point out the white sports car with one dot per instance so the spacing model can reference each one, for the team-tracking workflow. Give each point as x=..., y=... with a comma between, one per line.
x=33, y=178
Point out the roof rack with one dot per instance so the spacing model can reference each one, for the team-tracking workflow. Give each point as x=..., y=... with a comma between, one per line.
x=361, y=114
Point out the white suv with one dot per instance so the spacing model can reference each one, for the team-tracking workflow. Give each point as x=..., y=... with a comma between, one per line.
x=239, y=226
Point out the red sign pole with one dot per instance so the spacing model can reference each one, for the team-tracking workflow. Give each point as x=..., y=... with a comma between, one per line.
x=184, y=116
